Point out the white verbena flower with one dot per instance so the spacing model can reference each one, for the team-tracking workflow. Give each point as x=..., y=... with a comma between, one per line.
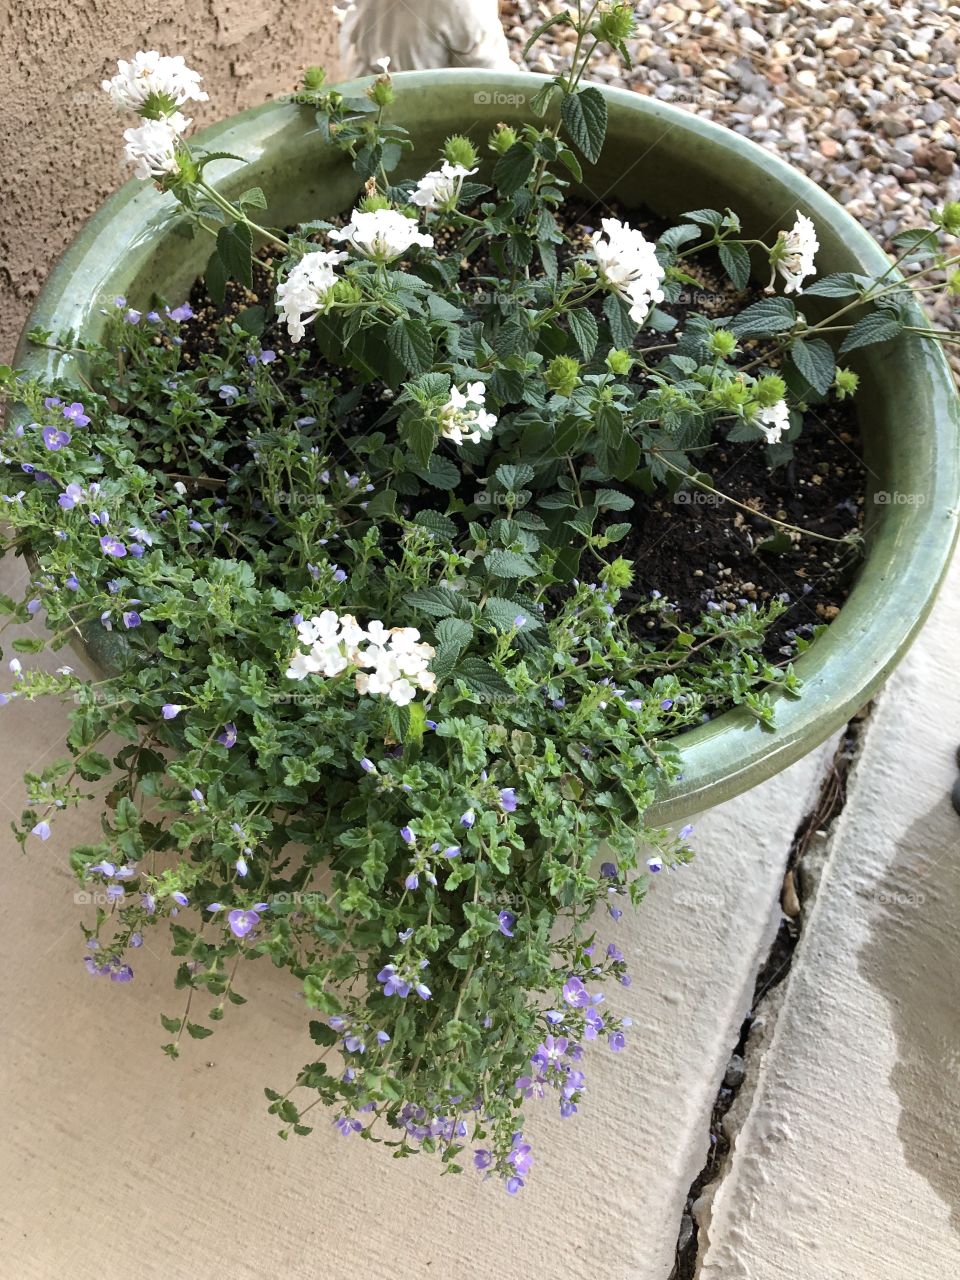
x=399, y=664
x=383, y=234
x=304, y=293
x=153, y=80
x=773, y=422
x=465, y=417
x=334, y=645
x=628, y=262
x=152, y=148
x=440, y=188
x=794, y=253
x=396, y=664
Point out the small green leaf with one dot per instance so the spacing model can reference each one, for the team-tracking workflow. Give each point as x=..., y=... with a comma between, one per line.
x=513, y=168
x=195, y=1030
x=736, y=263
x=440, y=526
x=585, y=331
x=814, y=360
x=509, y=564
x=481, y=678
x=585, y=118
x=409, y=339
x=876, y=327
x=764, y=319
x=235, y=247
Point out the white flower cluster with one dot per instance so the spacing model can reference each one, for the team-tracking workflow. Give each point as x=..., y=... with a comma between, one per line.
x=773, y=422
x=465, y=417
x=396, y=663
x=154, y=86
x=440, y=188
x=304, y=293
x=795, y=252
x=628, y=262
x=382, y=234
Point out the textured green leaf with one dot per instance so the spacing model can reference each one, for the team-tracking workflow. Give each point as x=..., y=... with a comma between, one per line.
x=584, y=115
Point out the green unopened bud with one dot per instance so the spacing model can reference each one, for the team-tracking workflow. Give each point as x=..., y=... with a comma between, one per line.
x=502, y=139
x=381, y=92
x=948, y=217
x=619, y=362
x=157, y=106
x=345, y=291
x=723, y=343
x=953, y=282
x=769, y=391
x=730, y=396
x=846, y=383
x=314, y=78
x=619, y=574
x=373, y=202
x=563, y=374
x=615, y=24
x=460, y=150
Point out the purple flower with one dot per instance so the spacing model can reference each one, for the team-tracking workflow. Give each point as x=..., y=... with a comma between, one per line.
x=452, y=851
x=55, y=439
x=181, y=313
x=228, y=393
x=609, y=870
x=132, y=316
x=339, y=575
x=685, y=832
x=347, y=1125
x=354, y=1044
x=170, y=710
x=412, y=881
x=553, y=1017
x=42, y=830
x=393, y=984
x=506, y=920
x=70, y=497
x=666, y=704
x=267, y=357
x=197, y=794
x=617, y=1041
x=112, y=546
x=153, y=317
x=482, y=1159
x=33, y=606
x=180, y=898
x=228, y=738
x=575, y=993
x=367, y=765
x=406, y=834
x=655, y=865
x=423, y=991
x=241, y=922
x=122, y=973
x=594, y=1025
x=508, y=799
x=131, y=619
x=241, y=866
x=520, y=1156
x=136, y=938
x=468, y=819
x=53, y=402
x=74, y=413
x=382, y=1037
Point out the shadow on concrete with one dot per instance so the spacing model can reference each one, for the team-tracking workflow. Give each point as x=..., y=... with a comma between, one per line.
x=913, y=959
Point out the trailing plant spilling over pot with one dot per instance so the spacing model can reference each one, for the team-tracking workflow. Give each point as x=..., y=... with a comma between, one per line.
x=435, y=538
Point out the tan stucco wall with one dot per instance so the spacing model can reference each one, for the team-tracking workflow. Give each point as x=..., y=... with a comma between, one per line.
x=60, y=141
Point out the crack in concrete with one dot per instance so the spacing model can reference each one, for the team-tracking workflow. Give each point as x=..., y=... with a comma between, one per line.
x=800, y=883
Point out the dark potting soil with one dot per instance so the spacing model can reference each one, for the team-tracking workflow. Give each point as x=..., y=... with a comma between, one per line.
x=698, y=550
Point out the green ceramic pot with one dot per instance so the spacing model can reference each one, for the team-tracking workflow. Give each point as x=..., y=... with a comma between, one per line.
x=670, y=161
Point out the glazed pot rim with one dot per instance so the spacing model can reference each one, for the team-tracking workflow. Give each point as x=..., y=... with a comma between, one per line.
x=890, y=600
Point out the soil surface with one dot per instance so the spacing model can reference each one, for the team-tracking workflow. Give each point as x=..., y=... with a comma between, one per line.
x=700, y=551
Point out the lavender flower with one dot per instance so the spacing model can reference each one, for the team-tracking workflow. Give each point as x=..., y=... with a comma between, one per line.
x=170, y=710
x=113, y=546
x=41, y=830
x=508, y=800
x=74, y=413
x=228, y=738
x=468, y=819
x=506, y=921
x=575, y=993
x=54, y=439
x=241, y=922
